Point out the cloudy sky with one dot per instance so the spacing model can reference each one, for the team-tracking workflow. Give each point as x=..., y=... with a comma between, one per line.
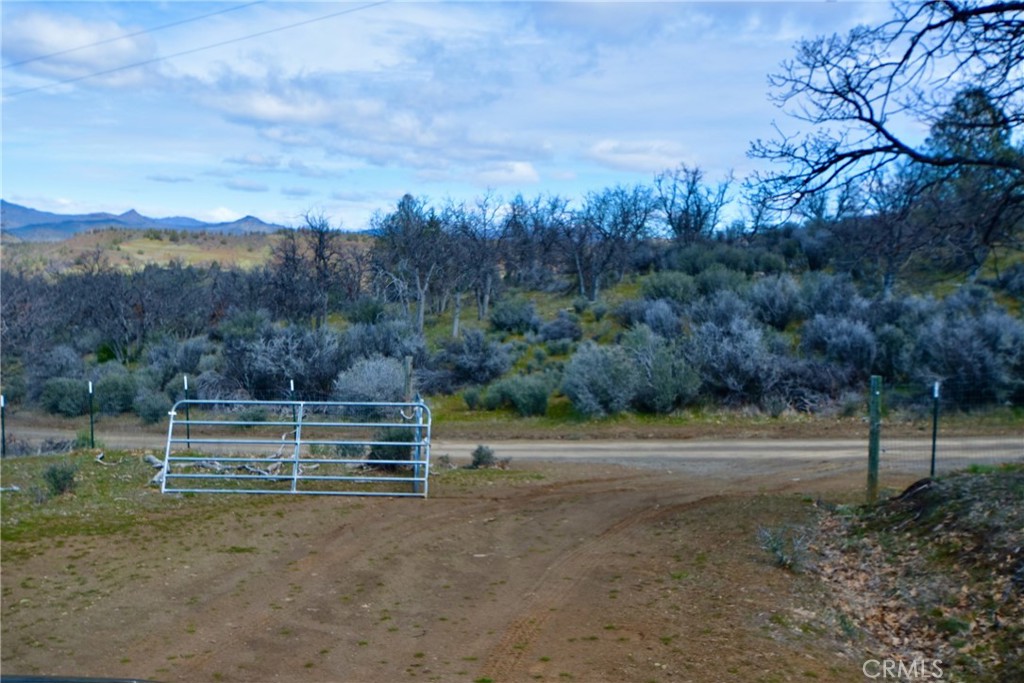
x=217, y=110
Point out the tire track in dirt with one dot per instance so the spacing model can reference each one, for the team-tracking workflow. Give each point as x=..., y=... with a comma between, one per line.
x=552, y=588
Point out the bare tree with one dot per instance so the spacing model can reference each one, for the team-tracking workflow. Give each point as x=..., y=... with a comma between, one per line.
x=689, y=207
x=858, y=92
x=530, y=232
x=603, y=235
x=411, y=249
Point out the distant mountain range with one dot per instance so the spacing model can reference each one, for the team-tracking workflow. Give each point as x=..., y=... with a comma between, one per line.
x=41, y=226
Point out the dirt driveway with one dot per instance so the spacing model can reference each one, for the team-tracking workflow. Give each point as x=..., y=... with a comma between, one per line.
x=553, y=570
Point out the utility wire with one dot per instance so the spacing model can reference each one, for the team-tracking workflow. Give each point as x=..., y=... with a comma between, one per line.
x=163, y=58
x=131, y=35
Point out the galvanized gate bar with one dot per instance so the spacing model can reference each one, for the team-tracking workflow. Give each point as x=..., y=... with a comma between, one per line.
x=326, y=453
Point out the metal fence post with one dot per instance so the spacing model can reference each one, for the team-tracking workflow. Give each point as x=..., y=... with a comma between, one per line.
x=935, y=425
x=188, y=427
x=92, y=420
x=3, y=426
x=874, y=435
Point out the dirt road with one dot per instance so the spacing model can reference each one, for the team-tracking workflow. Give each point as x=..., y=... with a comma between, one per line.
x=555, y=570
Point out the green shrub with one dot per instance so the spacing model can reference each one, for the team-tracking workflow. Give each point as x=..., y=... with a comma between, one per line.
x=115, y=393
x=514, y=315
x=60, y=478
x=527, y=394
x=151, y=406
x=472, y=397
x=65, y=396
x=483, y=457
x=677, y=287
x=600, y=380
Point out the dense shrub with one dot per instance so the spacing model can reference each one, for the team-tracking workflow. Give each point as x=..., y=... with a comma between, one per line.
x=60, y=361
x=841, y=340
x=375, y=379
x=717, y=278
x=775, y=300
x=115, y=390
x=527, y=394
x=720, y=308
x=734, y=361
x=600, y=380
x=676, y=287
x=474, y=359
x=65, y=396
x=662, y=319
x=665, y=380
x=151, y=406
x=979, y=359
x=515, y=315
x=564, y=326
x=390, y=338
x=825, y=294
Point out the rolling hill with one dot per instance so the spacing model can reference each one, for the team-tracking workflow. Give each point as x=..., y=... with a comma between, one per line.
x=31, y=225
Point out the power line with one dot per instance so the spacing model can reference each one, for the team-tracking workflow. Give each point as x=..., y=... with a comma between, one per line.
x=163, y=58
x=131, y=35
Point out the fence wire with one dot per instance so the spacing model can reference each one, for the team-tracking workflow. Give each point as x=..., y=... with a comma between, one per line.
x=954, y=432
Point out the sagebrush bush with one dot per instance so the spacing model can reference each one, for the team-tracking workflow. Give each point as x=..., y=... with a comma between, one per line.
x=734, y=361
x=673, y=286
x=717, y=278
x=376, y=379
x=662, y=318
x=483, y=457
x=564, y=326
x=65, y=396
x=60, y=478
x=825, y=294
x=475, y=359
x=514, y=315
x=151, y=406
x=841, y=340
x=977, y=359
x=115, y=390
x=600, y=380
x=720, y=308
x=665, y=379
x=775, y=300
x=60, y=361
x=527, y=394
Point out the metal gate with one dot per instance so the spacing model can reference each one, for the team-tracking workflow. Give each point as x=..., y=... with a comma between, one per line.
x=324, y=448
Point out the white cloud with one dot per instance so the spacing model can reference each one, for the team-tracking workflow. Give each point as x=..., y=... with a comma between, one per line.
x=242, y=185
x=296, y=192
x=65, y=47
x=164, y=178
x=220, y=214
x=507, y=173
x=256, y=159
x=638, y=155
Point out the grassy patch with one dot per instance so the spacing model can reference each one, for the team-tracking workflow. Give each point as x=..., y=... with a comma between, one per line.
x=110, y=498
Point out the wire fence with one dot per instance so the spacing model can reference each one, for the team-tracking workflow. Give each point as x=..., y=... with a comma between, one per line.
x=949, y=432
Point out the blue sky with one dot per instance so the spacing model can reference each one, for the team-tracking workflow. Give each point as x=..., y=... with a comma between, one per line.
x=276, y=108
